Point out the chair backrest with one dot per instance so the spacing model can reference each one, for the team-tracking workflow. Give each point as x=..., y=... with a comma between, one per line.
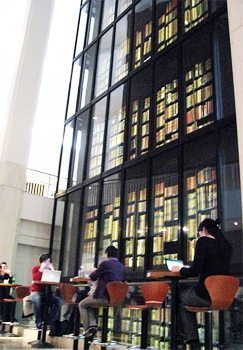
x=22, y=291
x=222, y=290
x=67, y=292
x=117, y=292
x=154, y=292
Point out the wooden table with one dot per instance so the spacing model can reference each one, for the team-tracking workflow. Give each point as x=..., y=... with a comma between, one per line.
x=174, y=278
x=9, y=285
x=79, y=279
x=47, y=292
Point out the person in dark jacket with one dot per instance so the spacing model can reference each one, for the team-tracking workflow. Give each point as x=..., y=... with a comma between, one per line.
x=109, y=270
x=212, y=257
x=5, y=308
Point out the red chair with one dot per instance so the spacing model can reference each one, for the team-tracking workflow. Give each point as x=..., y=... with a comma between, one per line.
x=222, y=290
x=154, y=294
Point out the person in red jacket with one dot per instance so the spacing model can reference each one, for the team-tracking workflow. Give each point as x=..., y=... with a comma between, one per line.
x=36, y=293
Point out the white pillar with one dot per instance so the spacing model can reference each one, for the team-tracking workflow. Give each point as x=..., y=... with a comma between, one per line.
x=16, y=139
x=235, y=15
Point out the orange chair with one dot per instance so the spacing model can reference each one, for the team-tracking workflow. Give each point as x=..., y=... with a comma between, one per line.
x=222, y=290
x=154, y=294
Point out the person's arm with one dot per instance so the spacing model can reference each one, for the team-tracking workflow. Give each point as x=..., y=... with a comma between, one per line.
x=36, y=273
x=99, y=272
x=198, y=261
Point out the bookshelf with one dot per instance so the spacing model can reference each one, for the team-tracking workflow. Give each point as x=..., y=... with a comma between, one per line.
x=96, y=150
x=139, y=128
x=195, y=11
x=135, y=224
x=131, y=326
x=159, y=328
x=167, y=113
x=199, y=96
x=201, y=202
x=167, y=24
x=143, y=44
x=165, y=216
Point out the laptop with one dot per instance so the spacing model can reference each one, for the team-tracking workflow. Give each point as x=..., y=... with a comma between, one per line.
x=171, y=262
x=51, y=275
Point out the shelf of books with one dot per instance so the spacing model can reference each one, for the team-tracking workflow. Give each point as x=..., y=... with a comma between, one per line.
x=165, y=216
x=201, y=202
x=159, y=328
x=121, y=59
x=135, y=223
x=111, y=225
x=96, y=149
x=139, y=129
x=131, y=326
x=143, y=44
x=199, y=96
x=167, y=24
x=195, y=11
x=115, y=142
x=167, y=113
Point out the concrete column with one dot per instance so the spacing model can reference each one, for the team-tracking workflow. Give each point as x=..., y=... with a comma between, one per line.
x=16, y=140
x=235, y=14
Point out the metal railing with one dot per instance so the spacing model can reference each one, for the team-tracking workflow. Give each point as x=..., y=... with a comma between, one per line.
x=40, y=184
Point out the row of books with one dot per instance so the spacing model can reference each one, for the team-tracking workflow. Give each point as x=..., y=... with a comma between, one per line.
x=199, y=112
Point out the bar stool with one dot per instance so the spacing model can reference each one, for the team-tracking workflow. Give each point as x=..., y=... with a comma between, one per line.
x=21, y=292
x=68, y=292
x=222, y=290
x=154, y=294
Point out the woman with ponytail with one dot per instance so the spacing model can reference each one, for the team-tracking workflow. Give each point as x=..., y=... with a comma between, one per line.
x=212, y=257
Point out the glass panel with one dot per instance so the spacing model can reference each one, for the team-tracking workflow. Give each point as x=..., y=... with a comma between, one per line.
x=195, y=11
x=166, y=72
x=72, y=101
x=198, y=83
x=57, y=236
x=103, y=66
x=122, y=48
x=230, y=194
x=200, y=183
x=123, y=5
x=110, y=214
x=71, y=234
x=87, y=77
x=82, y=29
x=108, y=13
x=94, y=19
x=89, y=227
x=167, y=23
x=223, y=70
x=79, y=148
x=164, y=208
x=66, y=152
x=116, y=128
x=135, y=228
x=142, y=32
x=139, y=114
x=217, y=4
x=97, y=136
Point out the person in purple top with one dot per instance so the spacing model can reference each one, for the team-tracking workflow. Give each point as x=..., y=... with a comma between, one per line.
x=109, y=270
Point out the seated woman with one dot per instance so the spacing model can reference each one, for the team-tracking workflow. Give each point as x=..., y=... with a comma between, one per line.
x=5, y=308
x=212, y=257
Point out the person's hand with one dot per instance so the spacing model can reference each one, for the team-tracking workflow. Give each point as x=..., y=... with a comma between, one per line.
x=175, y=269
x=8, y=271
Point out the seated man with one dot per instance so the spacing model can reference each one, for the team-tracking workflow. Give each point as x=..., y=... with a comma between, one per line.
x=5, y=308
x=36, y=293
x=109, y=270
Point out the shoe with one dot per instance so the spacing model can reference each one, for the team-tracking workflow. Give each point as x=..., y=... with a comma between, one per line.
x=91, y=332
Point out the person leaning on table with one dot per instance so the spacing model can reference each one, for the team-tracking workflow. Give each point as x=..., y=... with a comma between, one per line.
x=212, y=257
x=109, y=270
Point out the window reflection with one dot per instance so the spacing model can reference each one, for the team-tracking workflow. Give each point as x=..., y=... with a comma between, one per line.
x=122, y=48
x=94, y=17
x=72, y=101
x=123, y=5
x=108, y=13
x=81, y=30
x=116, y=128
x=97, y=136
x=57, y=235
x=79, y=148
x=87, y=77
x=67, y=145
x=103, y=66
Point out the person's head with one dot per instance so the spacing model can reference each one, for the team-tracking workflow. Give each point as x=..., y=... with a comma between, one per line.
x=4, y=265
x=44, y=257
x=111, y=251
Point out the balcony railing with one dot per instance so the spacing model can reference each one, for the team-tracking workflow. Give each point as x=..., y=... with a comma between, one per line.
x=40, y=184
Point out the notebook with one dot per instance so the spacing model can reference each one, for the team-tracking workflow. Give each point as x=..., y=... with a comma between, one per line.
x=170, y=263
x=51, y=275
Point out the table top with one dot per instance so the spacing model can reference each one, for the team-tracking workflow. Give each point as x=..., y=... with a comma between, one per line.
x=47, y=283
x=162, y=273
x=9, y=284
x=79, y=279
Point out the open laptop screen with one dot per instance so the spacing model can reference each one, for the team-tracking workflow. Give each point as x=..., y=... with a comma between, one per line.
x=51, y=275
x=170, y=263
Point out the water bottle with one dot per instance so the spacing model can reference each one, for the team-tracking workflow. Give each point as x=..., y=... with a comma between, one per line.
x=14, y=278
x=81, y=271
